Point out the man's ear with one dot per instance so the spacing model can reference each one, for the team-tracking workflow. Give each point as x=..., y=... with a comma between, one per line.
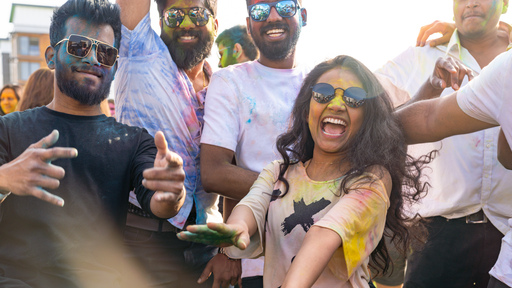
x=49, y=55
x=303, y=16
x=247, y=20
x=216, y=27
x=238, y=50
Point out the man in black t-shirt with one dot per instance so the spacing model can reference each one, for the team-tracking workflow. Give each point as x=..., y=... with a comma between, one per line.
x=78, y=243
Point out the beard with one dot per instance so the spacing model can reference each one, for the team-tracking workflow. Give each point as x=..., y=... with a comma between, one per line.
x=80, y=91
x=188, y=56
x=276, y=50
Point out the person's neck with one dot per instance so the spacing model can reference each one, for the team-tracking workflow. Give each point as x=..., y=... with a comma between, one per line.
x=65, y=104
x=286, y=63
x=197, y=76
x=324, y=167
x=485, y=48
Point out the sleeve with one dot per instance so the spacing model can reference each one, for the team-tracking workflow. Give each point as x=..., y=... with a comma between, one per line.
x=483, y=98
x=395, y=74
x=141, y=41
x=258, y=201
x=221, y=116
x=358, y=218
x=144, y=159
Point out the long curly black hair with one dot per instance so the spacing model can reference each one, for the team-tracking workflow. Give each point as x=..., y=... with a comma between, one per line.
x=379, y=142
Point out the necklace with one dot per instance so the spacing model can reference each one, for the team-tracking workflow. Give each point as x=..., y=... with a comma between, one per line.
x=204, y=79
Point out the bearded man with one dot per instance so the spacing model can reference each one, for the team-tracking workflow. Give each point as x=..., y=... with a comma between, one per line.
x=87, y=174
x=161, y=85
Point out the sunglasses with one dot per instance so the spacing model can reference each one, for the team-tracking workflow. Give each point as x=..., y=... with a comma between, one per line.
x=260, y=11
x=80, y=46
x=198, y=15
x=352, y=96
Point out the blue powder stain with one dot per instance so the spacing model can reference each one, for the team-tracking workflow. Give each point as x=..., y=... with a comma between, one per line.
x=249, y=121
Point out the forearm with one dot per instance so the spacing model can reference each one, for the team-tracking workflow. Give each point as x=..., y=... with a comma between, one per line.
x=243, y=216
x=220, y=176
x=228, y=206
x=425, y=92
x=132, y=11
x=317, y=249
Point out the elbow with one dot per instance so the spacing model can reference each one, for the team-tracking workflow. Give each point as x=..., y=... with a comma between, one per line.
x=207, y=181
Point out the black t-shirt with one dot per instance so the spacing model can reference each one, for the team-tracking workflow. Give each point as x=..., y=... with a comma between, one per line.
x=49, y=246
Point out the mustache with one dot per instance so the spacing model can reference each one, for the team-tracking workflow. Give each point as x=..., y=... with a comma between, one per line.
x=269, y=27
x=470, y=14
x=89, y=69
x=178, y=34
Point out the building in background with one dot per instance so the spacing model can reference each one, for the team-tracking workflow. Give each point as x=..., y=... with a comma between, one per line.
x=28, y=41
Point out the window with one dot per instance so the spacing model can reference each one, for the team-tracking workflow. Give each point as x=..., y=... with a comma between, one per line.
x=27, y=68
x=28, y=46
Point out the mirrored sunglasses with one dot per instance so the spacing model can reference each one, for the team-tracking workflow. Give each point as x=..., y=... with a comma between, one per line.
x=80, y=46
x=260, y=11
x=352, y=96
x=198, y=15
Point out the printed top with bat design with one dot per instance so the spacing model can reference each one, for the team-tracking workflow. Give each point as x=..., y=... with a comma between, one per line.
x=357, y=217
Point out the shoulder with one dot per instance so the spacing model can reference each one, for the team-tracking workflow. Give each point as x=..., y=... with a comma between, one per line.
x=235, y=72
x=377, y=177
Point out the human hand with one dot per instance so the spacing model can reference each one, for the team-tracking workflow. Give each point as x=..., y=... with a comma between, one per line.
x=225, y=271
x=449, y=71
x=32, y=172
x=167, y=176
x=218, y=234
x=505, y=30
x=445, y=28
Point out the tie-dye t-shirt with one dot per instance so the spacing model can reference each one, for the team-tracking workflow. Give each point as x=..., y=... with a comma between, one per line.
x=151, y=92
x=357, y=217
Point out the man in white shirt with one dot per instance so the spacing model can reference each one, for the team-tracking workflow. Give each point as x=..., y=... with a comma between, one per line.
x=467, y=180
x=248, y=105
x=483, y=103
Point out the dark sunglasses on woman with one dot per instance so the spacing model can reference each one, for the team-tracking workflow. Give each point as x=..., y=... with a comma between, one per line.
x=352, y=96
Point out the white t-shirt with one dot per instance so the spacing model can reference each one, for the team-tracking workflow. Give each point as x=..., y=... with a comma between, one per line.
x=488, y=98
x=466, y=175
x=247, y=107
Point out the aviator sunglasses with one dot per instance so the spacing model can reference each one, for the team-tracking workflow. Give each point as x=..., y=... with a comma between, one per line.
x=352, y=96
x=173, y=17
x=260, y=11
x=80, y=46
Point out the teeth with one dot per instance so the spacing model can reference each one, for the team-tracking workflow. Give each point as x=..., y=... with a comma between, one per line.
x=335, y=121
x=187, y=37
x=275, y=31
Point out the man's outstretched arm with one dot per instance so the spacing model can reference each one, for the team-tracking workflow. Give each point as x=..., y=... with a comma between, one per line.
x=436, y=119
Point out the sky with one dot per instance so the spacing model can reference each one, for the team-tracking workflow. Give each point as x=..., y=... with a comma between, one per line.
x=372, y=31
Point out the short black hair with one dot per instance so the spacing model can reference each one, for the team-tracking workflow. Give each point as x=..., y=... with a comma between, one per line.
x=238, y=34
x=96, y=12
x=209, y=4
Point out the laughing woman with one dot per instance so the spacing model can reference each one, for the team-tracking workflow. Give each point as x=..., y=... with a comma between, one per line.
x=319, y=214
